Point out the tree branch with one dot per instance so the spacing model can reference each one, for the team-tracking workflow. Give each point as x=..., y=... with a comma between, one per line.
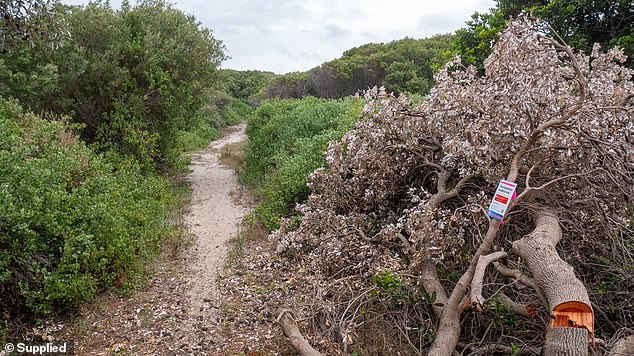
x=431, y=284
x=294, y=336
x=520, y=277
x=535, y=134
x=477, y=300
x=446, y=337
x=529, y=188
x=526, y=310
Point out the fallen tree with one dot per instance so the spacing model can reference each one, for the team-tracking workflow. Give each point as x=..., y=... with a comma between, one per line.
x=566, y=296
x=406, y=191
x=294, y=336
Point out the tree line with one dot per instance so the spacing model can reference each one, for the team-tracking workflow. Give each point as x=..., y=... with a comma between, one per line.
x=408, y=65
x=405, y=65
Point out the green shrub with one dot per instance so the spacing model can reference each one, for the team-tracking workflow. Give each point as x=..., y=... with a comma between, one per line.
x=236, y=111
x=72, y=222
x=287, y=140
x=219, y=111
x=135, y=77
x=286, y=186
x=203, y=129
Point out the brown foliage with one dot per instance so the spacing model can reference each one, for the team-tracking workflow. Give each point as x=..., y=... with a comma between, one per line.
x=411, y=184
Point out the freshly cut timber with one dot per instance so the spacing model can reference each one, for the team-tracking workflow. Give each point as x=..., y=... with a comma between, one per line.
x=572, y=318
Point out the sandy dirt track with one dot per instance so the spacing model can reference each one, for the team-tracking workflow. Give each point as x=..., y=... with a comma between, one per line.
x=178, y=311
x=213, y=217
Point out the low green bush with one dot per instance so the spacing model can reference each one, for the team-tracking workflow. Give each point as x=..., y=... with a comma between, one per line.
x=72, y=222
x=287, y=141
x=286, y=186
x=203, y=127
x=236, y=111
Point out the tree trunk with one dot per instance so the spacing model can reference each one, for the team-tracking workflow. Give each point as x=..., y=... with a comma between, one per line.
x=565, y=341
x=447, y=334
x=566, y=295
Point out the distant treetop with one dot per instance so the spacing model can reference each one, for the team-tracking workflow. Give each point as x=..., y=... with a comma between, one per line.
x=580, y=23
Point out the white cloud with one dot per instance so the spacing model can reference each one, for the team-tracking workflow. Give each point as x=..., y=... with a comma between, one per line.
x=296, y=35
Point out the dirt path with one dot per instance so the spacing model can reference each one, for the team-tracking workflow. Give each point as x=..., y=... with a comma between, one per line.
x=178, y=312
x=213, y=217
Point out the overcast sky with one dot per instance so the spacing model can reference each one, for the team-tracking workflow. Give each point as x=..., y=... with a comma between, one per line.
x=295, y=35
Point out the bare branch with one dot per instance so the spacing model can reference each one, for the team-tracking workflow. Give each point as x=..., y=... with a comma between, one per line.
x=476, y=283
x=444, y=195
x=431, y=283
x=435, y=165
x=529, y=188
x=406, y=243
x=526, y=310
x=294, y=336
x=535, y=134
x=520, y=277
x=446, y=340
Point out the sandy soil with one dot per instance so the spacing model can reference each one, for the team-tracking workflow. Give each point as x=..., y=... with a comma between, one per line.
x=213, y=217
x=178, y=312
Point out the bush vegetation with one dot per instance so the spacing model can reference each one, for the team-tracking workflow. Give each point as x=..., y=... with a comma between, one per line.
x=72, y=222
x=87, y=193
x=287, y=139
x=132, y=76
x=244, y=84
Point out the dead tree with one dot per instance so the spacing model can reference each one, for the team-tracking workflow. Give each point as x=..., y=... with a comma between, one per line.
x=408, y=187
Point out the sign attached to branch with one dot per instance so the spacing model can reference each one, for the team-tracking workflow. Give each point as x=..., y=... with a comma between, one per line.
x=504, y=195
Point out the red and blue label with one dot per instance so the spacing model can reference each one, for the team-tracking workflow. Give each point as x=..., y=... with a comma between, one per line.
x=504, y=195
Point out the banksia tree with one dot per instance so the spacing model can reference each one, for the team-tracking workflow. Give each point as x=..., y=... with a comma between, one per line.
x=408, y=188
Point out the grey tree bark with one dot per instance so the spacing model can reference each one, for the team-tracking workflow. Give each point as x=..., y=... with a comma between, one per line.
x=294, y=336
x=565, y=341
x=567, y=297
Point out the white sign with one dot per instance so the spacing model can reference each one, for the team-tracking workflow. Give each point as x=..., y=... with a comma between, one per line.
x=504, y=195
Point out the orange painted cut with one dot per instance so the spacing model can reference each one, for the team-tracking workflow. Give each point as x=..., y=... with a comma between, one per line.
x=573, y=314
